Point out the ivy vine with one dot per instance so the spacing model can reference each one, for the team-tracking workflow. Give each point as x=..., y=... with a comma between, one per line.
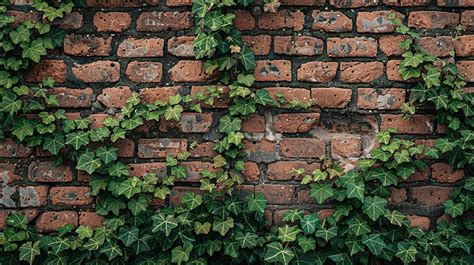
x=215, y=226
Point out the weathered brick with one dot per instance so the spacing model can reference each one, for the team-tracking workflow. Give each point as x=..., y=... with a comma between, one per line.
x=97, y=72
x=251, y=172
x=389, y=44
x=90, y=219
x=283, y=19
x=179, y=2
x=162, y=21
x=321, y=72
x=464, y=45
x=10, y=149
x=303, y=2
x=456, y=3
x=189, y=71
x=20, y=17
x=72, y=98
x=161, y=147
x=361, y=72
x=348, y=146
x=272, y=71
x=353, y=3
x=151, y=95
x=47, y=68
x=33, y=196
x=439, y=46
x=3, y=216
x=304, y=197
x=21, y=2
x=277, y=194
x=295, y=122
x=259, y=44
x=73, y=20
x=140, y=170
x=189, y=123
x=254, y=123
x=178, y=192
x=112, y=21
x=351, y=47
x=114, y=97
x=86, y=45
x=261, y=151
x=430, y=195
x=220, y=102
x=393, y=74
x=76, y=196
x=397, y=196
x=289, y=93
x=117, y=3
x=433, y=20
x=443, y=172
x=144, y=72
x=48, y=221
x=298, y=45
x=7, y=173
x=48, y=171
x=407, y=2
x=333, y=21
x=244, y=20
x=331, y=97
x=205, y=149
x=388, y=98
x=146, y=47
x=181, y=46
x=195, y=168
x=422, y=222
x=466, y=69
x=417, y=124
x=281, y=170
x=467, y=20
x=376, y=21
x=302, y=147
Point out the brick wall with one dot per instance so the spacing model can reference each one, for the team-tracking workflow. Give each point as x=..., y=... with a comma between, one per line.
x=342, y=55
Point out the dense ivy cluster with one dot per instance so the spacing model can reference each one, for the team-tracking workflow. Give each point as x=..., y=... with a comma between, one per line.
x=215, y=226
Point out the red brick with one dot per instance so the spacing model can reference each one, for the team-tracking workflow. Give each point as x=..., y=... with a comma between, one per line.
x=254, y=123
x=388, y=98
x=49, y=221
x=289, y=93
x=179, y=2
x=277, y=194
x=205, y=149
x=302, y=147
x=151, y=95
x=144, y=72
x=351, y=47
x=390, y=44
x=163, y=21
x=7, y=173
x=161, y=147
x=348, y=146
x=393, y=74
x=140, y=170
x=33, y=196
x=195, y=168
x=220, y=102
x=96, y=72
x=407, y=2
x=189, y=71
x=189, y=123
x=321, y=72
x=73, y=20
x=439, y=46
x=261, y=151
x=272, y=71
x=47, y=68
x=281, y=170
x=112, y=21
x=10, y=149
x=283, y=19
x=430, y=195
x=259, y=44
x=457, y=3
x=76, y=196
x=90, y=219
x=433, y=20
x=467, y=20
x=181, y=46
x=464, y=45
x=333, y=21
x=466, y=69
x=417, y=124
x=178, y=192
x=298, y=45
x=118, y=3
x=422, y=222
x=376, y=21
x=304, y=197
x=443, y=172
x=3, y=216
x=420, y=175
x=295, y=122
x=353, y=3
x=397, y=197
x=114, y=97
x=86, y=45
x=48, y=171
x=146, y=47
x=20, y=17
x=331, y=97
x=125, y=148
x=361, y=72
x=72, y=98
x=244, y=20
x=303, y=2
x=251, y=172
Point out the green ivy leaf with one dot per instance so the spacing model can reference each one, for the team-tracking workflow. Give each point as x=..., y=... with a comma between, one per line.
x=191, y=200
x=355, y=190
x=222, y=226
x=84, y=232
x=306, y=244
x=309, y=223
x=180, y=254
x=256, y=203
x=321, y=192
x=461, y=242
x=29, y=251
x=453, y=209
x=77, y=139
x=397, y=218
x=247, y=58
x=173, y=113
x=374, y=243
x=288, y=233
x=88, y=162
x=227, y=124
x=374, y=207
x=107, y=155
x=34, y=51
x=163, y=223
x=247, y=240
x=23, y=129
x=327, y=234
x=111, y=249
x=128, y=235
x=129, y=187
x=202, y=228
x=406, y=253
x=358, y=226
x=276, y=253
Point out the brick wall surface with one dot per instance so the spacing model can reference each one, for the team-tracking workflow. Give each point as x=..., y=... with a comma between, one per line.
x=341, y=54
